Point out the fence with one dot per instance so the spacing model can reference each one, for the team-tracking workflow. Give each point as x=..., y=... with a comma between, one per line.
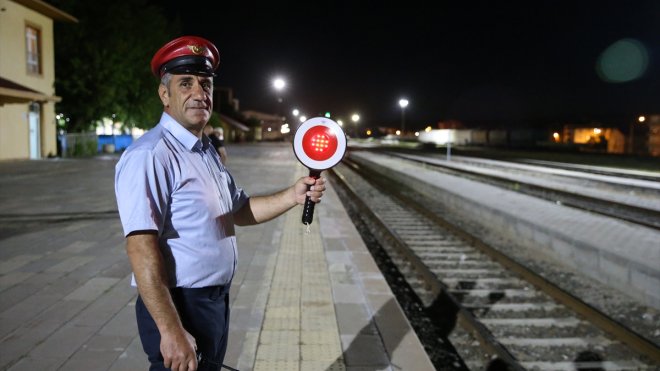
x=78, y=144
x=90, y=144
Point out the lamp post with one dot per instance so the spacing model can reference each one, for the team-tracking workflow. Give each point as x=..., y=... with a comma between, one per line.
x=355, y=118
x=403, y=103
x=279, y=84
x=633, y=142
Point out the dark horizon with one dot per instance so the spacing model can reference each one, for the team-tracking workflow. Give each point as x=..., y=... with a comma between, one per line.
x=518, y=63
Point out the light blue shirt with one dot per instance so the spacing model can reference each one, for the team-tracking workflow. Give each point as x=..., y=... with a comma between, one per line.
x=171, y=182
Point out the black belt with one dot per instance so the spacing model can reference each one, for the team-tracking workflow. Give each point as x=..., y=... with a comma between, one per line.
x=212, y=292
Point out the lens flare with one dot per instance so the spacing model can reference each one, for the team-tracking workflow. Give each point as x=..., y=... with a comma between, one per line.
x=623, y=61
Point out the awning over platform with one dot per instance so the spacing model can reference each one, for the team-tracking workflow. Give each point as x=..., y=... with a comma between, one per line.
x=11, y=92
x=233, y=122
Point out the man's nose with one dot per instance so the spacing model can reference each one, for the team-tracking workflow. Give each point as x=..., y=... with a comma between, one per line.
x=198, y=91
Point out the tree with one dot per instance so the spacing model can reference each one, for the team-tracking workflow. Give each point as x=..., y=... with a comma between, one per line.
x=102, y=63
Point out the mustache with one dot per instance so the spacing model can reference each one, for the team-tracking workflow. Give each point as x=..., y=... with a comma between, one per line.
x=196, y=106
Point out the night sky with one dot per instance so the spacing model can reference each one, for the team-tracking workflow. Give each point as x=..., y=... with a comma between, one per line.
x=484, y=63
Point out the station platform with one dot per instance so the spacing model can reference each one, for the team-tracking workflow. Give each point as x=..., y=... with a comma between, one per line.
x=300, y=300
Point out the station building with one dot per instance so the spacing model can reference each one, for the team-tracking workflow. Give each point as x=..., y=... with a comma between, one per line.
x=28, y=127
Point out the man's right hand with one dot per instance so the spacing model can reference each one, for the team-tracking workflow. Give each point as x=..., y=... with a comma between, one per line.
x=179, y=350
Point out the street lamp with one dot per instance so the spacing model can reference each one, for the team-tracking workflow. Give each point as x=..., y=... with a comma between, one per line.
x=403, y=103
x=279, y=84
x=634, y=143
x=355, y=118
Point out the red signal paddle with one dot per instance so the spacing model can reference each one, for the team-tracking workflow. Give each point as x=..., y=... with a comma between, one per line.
x=319, y=144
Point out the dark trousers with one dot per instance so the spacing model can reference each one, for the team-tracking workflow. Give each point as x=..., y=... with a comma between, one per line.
x=204, y=313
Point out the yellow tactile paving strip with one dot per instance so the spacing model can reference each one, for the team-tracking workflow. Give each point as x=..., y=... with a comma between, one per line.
x=300, y=330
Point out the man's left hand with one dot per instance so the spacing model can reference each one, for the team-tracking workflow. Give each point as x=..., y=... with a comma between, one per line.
x=315, y=191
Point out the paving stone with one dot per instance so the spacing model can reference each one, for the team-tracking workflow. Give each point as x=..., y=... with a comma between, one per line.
x=269, y=365
x=9, y=280
x=334, y=365
x=63, y=342
x=321, y=352
x=364, y=350
x=277, y=337
x=37, y=363
x=92, y=289
x=70, y=264
x=123, y=324
x=133, y=358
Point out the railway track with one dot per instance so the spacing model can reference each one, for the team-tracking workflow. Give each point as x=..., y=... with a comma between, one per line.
x=601, y=170
x=498, y=310
x=602, y=203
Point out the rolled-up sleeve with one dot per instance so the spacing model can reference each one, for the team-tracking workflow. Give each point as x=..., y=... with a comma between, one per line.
x=142, y=190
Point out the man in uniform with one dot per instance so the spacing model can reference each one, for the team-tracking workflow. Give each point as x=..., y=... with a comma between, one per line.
x=178, y=207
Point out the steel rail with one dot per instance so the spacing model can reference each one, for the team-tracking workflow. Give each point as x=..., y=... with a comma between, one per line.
x=630, y=213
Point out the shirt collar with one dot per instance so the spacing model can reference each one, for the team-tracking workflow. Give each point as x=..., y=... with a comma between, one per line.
x=180, y=133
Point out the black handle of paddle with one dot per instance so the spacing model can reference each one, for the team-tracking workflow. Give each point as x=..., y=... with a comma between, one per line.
x=308, y=209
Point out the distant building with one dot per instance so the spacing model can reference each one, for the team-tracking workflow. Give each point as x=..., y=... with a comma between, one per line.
x=645, y=135
x=595, y=137
x=235, y=131
x=642, y=137
x=28, y=127
x=271, y=126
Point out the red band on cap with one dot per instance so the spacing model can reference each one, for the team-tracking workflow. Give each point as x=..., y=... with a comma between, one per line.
x=186, y=46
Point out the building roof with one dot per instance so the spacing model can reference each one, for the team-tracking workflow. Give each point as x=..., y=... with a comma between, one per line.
x=268, y=117
x=47, y=10
x=11, y=92
x=233, y=122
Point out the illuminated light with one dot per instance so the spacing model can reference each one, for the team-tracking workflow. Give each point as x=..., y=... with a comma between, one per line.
x=428, y=129
x=327, y=114
x=403, y=103
x=295, y=112
x=597, y=131
x=368, y=132
x=340, y=122
x=417, y=133
x=398, y=132
x=319, y=143
x=355, y=117
x=279, y=83
x=641, y=118
x=623, y=61
x=303, y=118
x=556, y=136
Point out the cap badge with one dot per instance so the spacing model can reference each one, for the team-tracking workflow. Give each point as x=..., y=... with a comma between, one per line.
x=197, y=49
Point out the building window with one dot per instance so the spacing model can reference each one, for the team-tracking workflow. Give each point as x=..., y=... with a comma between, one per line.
x=33, y=47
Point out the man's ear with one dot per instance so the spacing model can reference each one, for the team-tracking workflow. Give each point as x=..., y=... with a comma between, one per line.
x=164, y=95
